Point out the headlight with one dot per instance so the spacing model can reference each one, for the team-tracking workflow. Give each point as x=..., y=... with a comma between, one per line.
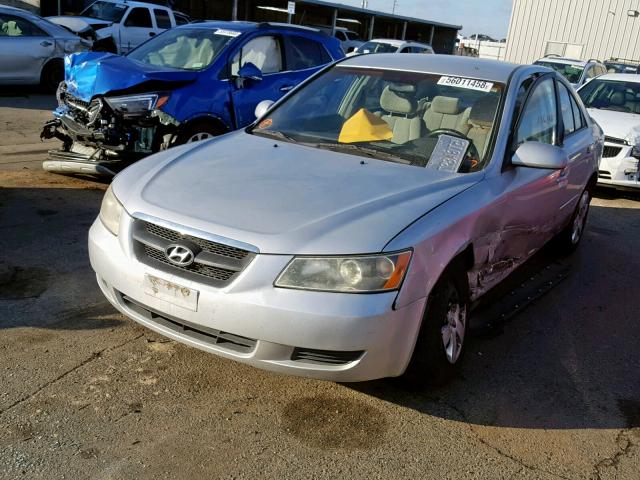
x=110, y=212
x=131, y=105
x=353, y=274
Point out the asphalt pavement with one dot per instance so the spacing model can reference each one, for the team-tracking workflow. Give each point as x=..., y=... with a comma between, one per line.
x=85, y=393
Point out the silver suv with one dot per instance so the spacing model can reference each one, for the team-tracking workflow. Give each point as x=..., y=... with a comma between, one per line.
x=577, y=72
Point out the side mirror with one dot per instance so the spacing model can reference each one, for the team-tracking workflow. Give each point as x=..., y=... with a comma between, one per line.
x=263, y=107
x=539, y=155
x=248, y=72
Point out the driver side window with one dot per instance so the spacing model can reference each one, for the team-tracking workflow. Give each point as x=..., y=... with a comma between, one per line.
x=539, y=119
x=264, y=52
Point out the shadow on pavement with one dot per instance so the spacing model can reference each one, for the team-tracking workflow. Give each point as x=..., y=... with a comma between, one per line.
x=569, y=361
x=29, y=97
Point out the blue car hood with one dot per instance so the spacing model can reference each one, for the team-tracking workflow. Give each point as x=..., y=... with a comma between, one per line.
x=97, y=73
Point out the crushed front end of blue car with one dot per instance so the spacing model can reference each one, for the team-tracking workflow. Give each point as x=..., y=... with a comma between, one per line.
x=109, y=114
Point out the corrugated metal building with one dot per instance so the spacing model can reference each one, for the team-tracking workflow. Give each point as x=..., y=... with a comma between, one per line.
x=580, y=29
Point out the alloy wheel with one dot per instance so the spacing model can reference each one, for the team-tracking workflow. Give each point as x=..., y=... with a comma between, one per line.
x=199, y=136
x=580, y=219
x=454, y=329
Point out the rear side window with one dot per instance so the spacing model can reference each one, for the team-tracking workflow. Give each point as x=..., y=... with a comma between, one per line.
x=181, y=19
x=305, y=53
x=539, y=119
x=139, y=17
x=566, y=109
x=162, y=18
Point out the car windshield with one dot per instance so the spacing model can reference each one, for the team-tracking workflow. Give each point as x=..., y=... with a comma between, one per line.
x=377, y=47
x=108, y=11
x=419, y=119
x=611, y=95
x=573, y=73
x=183, y=48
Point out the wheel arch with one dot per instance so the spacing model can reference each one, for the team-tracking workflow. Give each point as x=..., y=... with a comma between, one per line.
x=209, y=119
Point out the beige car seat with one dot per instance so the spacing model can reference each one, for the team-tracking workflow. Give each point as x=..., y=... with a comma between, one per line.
x=401, y=116
x=445, y=112
x=481, y=120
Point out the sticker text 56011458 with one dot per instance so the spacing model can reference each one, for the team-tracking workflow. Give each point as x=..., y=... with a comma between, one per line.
x=468, y=83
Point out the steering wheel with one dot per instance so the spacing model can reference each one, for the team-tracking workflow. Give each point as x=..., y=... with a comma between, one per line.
x=472, y=157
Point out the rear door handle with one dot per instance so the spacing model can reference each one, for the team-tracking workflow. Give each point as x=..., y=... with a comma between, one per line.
x=46, y=43
x=286, y=88
x=591, y=148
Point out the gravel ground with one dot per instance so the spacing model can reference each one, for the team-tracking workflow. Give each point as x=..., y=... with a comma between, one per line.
x=87, y=394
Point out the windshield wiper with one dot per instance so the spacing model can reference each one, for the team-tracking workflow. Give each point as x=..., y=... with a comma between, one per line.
x=274, y=134
x=360, y=150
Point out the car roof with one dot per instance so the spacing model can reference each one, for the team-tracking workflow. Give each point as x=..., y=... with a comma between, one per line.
x=459, y=66
x=391, y=41
x=242, y=26
x=137, y=4
x=620, y=77
x=570, y=61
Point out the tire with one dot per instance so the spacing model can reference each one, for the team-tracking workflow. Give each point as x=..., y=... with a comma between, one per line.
x=440, y=345
x=52, y=75
x=196, y=131
x=569, y=238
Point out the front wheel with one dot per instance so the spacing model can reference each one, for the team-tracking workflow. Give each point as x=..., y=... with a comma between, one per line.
x=196, y=132
x=568, y=239
x=440, y=345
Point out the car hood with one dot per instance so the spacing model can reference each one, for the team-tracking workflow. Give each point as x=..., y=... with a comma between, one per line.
x=285, y=198
x=79, y=24
x=622, y=125
x=98, y=73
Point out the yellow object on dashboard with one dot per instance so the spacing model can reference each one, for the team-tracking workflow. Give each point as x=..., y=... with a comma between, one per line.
x=364, y=126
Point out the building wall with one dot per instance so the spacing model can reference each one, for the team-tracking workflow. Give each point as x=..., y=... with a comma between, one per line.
x=32, y=5
x=591, y=28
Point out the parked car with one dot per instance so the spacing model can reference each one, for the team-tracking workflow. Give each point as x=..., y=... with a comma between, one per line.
x=120, y=26
x=390, y=45
x=32, y=49
x=578, y=72
x=613, y=100
x=349, y=40
x=620, y=65
x=341, y=238
x=190, y=83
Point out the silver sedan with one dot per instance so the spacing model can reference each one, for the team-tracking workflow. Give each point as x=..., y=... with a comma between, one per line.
x=32, y=49
x=345, y=234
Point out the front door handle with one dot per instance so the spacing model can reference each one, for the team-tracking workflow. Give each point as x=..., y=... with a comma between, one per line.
x=286, y=88
x=46, y=43
x=591, y=148
x=563, y=177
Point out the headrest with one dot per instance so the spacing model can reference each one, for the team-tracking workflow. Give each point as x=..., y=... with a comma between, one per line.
x=483, y=111
x=445, y=105
x=617, y=99
x=397, y=102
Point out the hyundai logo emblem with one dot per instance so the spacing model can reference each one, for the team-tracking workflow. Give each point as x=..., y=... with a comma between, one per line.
x=179, y=255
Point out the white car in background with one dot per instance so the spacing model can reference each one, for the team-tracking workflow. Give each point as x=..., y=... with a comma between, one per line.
x=578, y=72
x=613, y=100
x=392, y=45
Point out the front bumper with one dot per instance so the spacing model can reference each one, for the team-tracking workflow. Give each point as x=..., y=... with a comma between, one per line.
x=618, y=169
x=275, y=325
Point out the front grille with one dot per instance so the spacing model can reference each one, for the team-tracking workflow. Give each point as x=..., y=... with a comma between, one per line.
x=610, y=152
x=604, y=174
x=75, y=102
x=206, y=245
x=215, y=263
x=211, y=336
x=204, y=270
x=325, y=357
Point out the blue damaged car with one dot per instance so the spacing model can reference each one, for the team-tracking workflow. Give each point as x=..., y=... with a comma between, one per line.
x=187, y=84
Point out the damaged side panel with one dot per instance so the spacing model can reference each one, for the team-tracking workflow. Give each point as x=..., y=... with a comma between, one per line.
x=502, y=231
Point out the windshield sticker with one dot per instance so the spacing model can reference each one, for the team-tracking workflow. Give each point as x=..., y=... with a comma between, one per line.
x=448, y=154
x=467, y=83
x=227, y=33
x=266, y=123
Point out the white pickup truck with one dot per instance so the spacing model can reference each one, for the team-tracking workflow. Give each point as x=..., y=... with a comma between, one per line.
x=118, y=27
